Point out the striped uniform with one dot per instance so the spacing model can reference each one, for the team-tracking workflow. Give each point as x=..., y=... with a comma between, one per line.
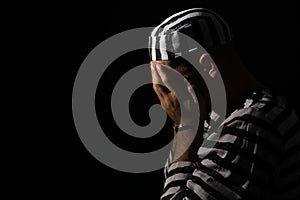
x=201, y=27
x=255, y=156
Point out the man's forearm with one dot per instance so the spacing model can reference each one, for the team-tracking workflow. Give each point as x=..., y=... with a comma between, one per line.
x=186, y=144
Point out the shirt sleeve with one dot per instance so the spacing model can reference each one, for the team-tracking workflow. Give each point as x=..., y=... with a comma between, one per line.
x=231, y=166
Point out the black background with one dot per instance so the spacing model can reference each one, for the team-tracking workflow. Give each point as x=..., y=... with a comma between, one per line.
x=47, y=43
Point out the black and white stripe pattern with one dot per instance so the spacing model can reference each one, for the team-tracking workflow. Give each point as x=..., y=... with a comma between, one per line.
x=257, y=156
x=202, y=25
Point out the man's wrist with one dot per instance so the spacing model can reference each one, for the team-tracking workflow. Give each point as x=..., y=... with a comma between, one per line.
x=183, y=127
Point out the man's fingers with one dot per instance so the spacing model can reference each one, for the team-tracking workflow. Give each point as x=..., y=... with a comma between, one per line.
x=174, y=81
x=155, y=76
x=158, y=85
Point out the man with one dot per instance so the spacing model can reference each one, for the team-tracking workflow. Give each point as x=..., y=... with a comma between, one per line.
x=255, y=153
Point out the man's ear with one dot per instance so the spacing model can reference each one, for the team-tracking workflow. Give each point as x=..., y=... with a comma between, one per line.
x=206, y=61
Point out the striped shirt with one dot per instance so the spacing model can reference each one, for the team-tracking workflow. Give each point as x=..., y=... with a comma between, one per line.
x=255, y=156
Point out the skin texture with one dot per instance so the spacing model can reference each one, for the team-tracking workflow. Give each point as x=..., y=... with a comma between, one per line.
x=169, y=91
x=167, y=85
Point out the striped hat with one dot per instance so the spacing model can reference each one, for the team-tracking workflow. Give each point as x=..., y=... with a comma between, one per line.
x=169, y=39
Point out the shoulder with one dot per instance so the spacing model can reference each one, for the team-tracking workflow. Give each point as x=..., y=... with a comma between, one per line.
x=266, y=110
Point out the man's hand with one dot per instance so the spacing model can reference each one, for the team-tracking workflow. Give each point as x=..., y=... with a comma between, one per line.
x=172, y=88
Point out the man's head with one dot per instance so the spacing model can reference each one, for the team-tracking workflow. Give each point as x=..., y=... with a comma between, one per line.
x=190, y=34
x=197, y=40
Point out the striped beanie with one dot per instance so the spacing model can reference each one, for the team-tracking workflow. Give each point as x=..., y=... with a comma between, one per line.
x=170, y=39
